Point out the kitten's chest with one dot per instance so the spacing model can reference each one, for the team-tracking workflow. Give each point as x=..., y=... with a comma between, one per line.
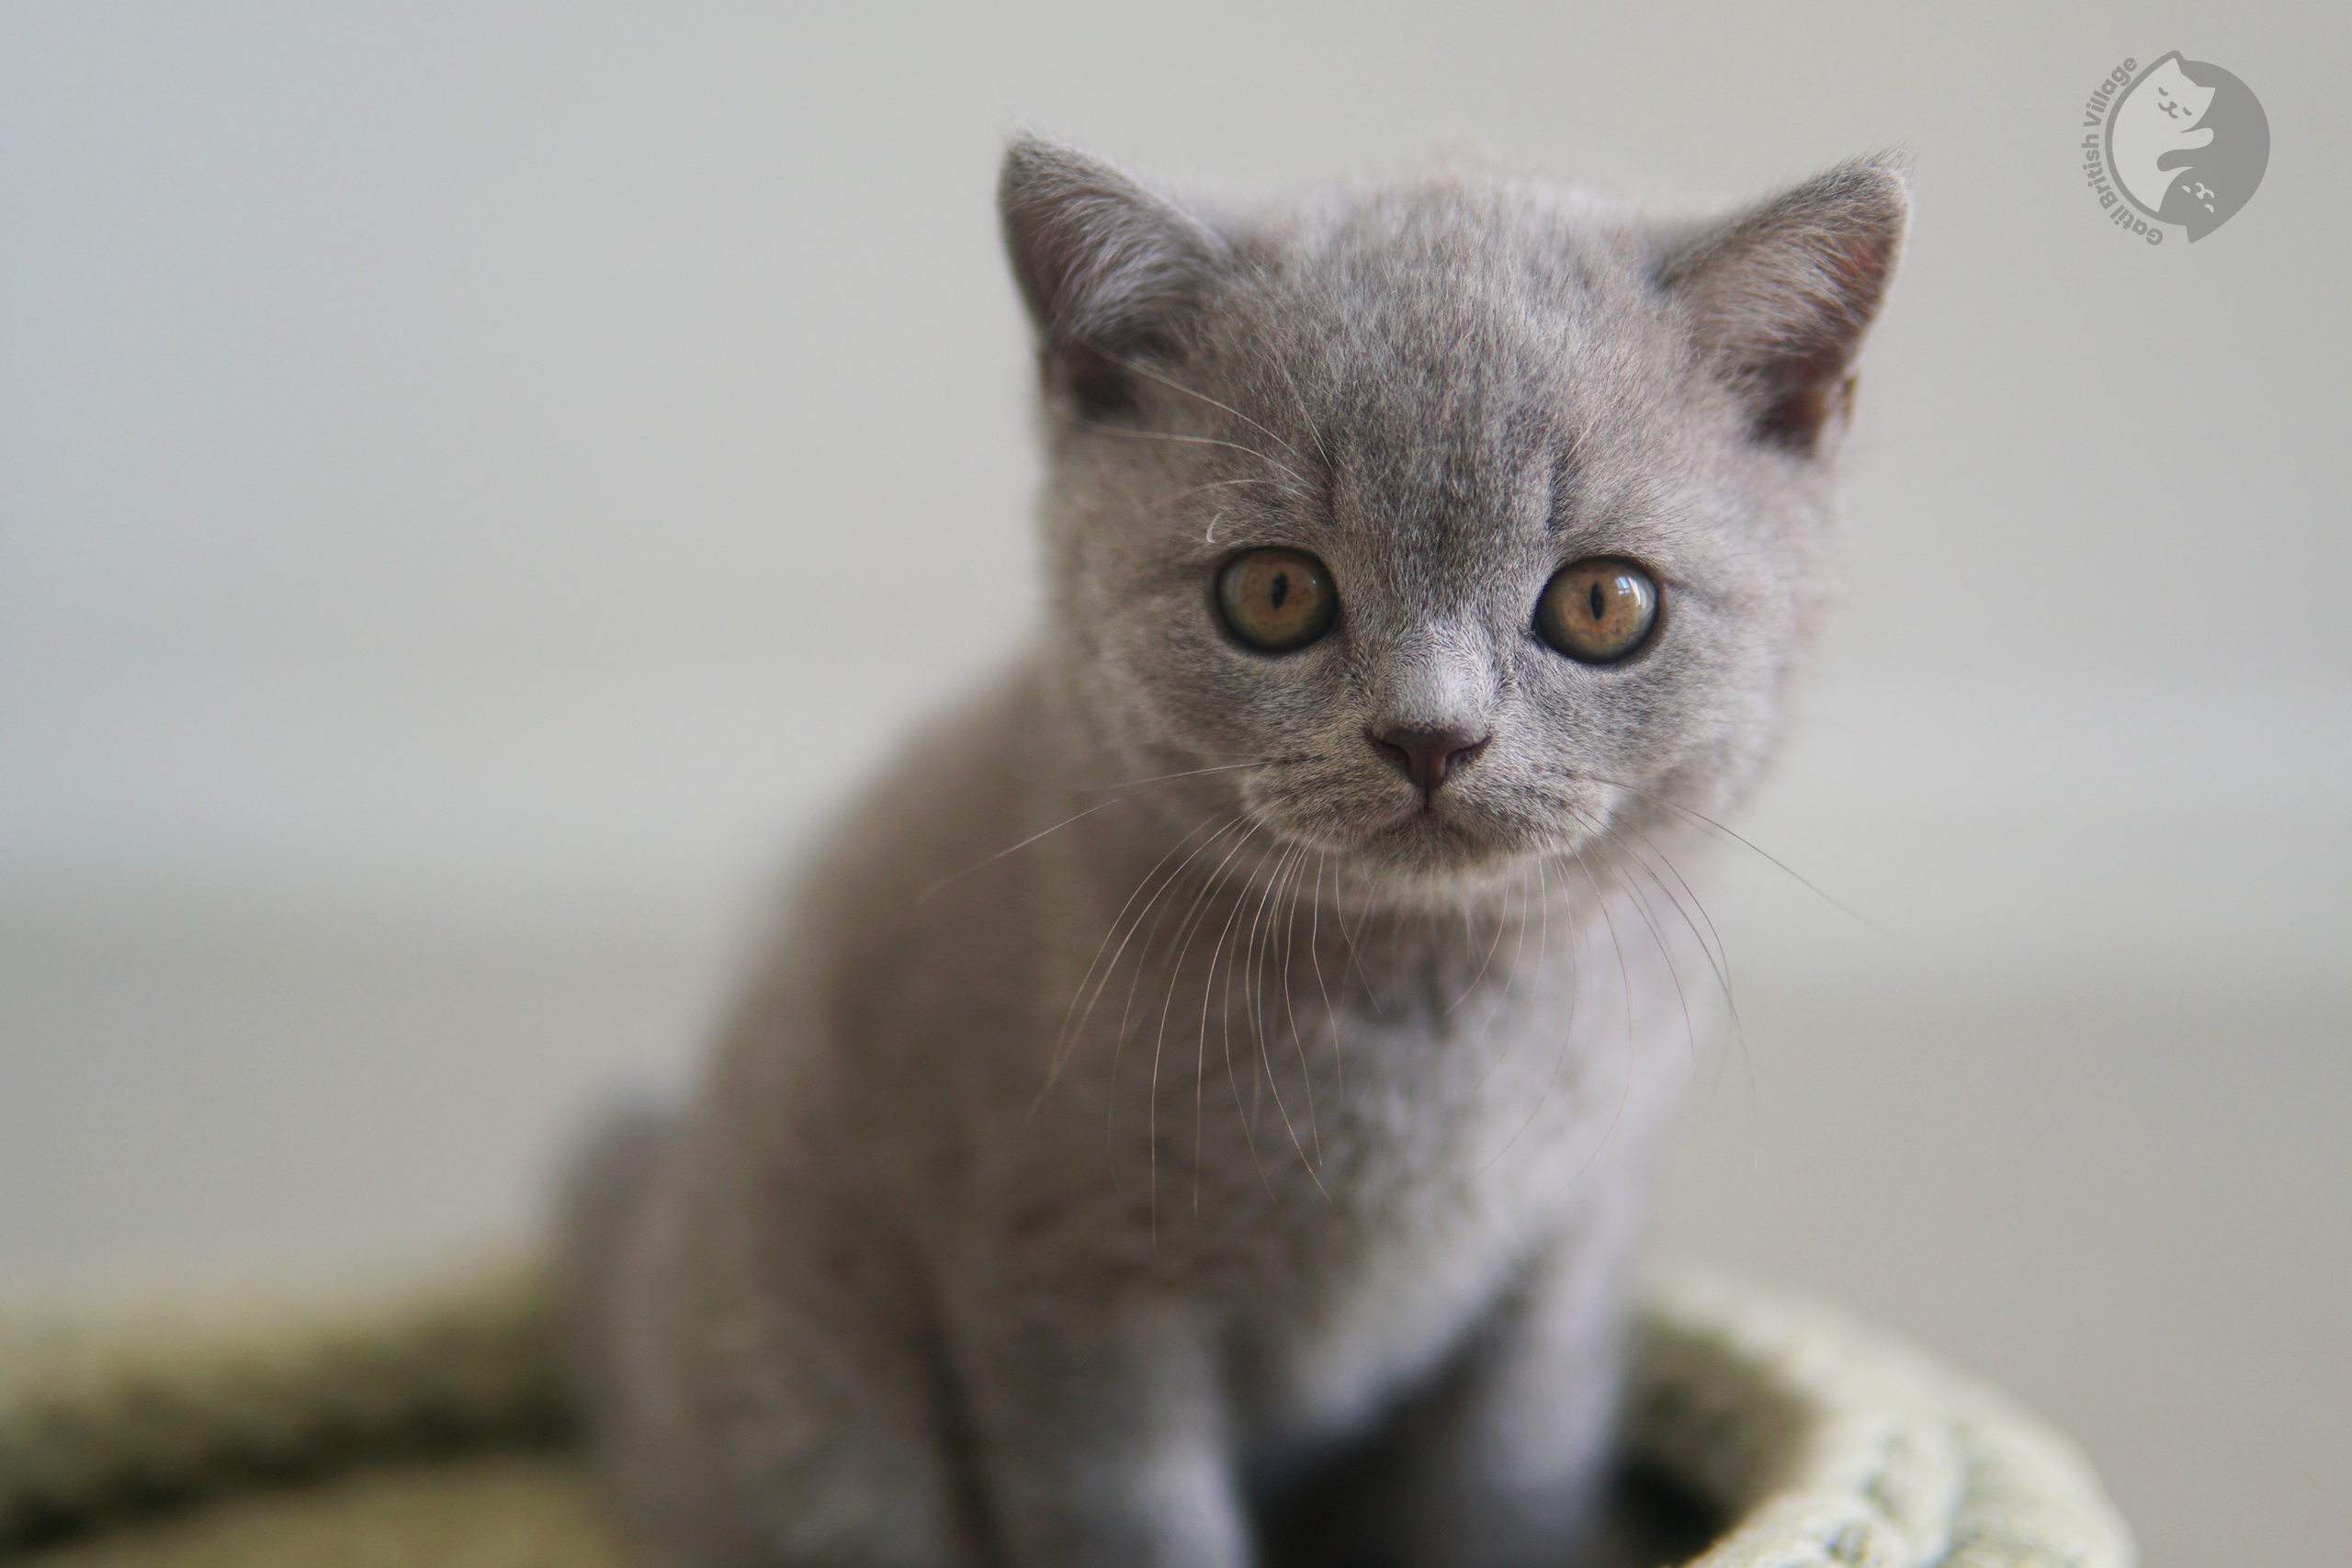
x=1324, y=1355
x=1459, y=1149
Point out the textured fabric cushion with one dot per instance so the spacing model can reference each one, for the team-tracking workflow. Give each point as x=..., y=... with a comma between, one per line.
x=429, y=1428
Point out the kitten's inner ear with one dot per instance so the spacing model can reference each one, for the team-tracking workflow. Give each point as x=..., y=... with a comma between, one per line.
x=1113, y=275
x=1781, y=295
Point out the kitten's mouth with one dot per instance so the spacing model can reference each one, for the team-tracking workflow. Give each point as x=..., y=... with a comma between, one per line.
x=1439, y=810
x=1454, y=837
x=1437, y=829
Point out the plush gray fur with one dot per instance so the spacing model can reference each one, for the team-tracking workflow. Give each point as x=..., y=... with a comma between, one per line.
x=1163, y=1134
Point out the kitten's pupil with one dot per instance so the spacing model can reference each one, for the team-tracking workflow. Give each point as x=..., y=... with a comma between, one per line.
x=1594, y=599
x=1279, y=591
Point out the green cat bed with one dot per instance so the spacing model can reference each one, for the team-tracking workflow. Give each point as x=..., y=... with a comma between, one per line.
x=431, y=1430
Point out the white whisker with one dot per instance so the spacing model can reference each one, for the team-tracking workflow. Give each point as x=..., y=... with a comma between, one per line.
x=1126, y=1010
x=1174, y=439
x=1747, y=844
x=1176, y=968
x=1067, y=1039
x=1149, y=373
x=1315, y=955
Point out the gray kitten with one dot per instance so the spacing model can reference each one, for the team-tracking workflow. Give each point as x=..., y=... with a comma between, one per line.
x=1199, y=1111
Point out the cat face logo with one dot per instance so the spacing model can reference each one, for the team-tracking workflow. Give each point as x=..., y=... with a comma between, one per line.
x=2187, y=142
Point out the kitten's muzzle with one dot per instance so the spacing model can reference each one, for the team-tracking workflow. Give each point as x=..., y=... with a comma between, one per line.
x=1427, y=757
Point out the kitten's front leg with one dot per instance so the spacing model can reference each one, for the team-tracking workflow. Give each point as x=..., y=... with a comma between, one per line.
x=1506, y=1461
x=1102, y=1441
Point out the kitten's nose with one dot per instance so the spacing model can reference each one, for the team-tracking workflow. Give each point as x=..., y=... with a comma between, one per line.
x=1427, y=757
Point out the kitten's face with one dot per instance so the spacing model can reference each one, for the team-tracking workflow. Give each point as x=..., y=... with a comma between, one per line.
x=1446, y=399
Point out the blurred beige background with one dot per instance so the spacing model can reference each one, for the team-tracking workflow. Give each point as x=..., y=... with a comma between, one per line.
x=476, y=480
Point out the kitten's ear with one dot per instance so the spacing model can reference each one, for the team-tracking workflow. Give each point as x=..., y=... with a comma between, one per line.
x=1781, y=295
x=1112, y=274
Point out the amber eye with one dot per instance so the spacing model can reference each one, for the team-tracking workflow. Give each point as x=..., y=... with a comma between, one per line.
x=1276, y=599
x=1598, y=610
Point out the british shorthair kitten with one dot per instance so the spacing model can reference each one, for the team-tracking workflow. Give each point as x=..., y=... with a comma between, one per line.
x=1200, y=1106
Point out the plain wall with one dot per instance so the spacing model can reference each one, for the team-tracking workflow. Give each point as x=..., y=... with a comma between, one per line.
x=476, y=480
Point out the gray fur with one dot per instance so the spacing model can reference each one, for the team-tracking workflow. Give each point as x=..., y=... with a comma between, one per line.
x=1247, y=1137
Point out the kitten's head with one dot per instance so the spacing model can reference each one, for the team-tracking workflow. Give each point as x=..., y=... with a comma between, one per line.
x=1461, y=522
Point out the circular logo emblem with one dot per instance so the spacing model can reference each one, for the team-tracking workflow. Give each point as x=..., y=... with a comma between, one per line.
x=2187, y=144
